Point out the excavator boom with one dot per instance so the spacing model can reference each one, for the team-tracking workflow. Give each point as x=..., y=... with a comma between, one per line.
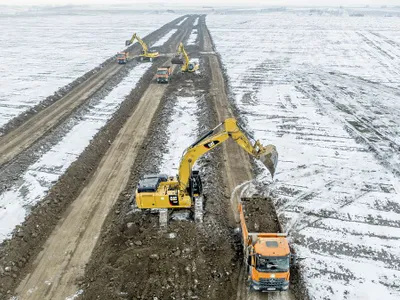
x=267, y=155
x=145, y=50
x=162, y=191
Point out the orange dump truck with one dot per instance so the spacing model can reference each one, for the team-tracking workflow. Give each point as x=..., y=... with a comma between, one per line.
x=122, y=57
x=164, y=74
x=267, y=258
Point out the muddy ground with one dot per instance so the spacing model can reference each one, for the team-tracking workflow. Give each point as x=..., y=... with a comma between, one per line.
x=137, y=260
x=18, y=253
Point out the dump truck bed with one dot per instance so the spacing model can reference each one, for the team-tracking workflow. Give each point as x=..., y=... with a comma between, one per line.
x=260, y=215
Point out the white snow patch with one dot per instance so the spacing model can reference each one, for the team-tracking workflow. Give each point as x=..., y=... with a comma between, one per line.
x=43, y=174
x=192, y=38
x=165, y=38
x=182, y=131
x=75, y=296
x=181, y=22
x=196, y=22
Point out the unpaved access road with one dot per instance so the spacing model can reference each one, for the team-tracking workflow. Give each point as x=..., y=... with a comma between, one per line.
x=23, y=136
x=69, y=247
x=237, y=164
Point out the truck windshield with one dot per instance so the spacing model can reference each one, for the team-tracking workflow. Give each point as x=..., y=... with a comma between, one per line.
x=121, y=55
x=272, y=264
x=162, y=72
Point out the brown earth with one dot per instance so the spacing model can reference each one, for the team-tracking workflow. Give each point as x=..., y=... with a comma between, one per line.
x=19, y=252
x=260, y=215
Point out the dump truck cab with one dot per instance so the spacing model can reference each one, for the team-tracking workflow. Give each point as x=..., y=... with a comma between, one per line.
x=267, y=257
x=122, y=57
x=164, y=74
x=268, y=262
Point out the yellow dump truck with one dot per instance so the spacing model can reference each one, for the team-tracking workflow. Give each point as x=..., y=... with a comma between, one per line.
x=267, y=258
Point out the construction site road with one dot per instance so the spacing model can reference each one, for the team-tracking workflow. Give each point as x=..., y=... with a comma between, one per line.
x=23, y=136
x=69, y=247
x=236, y=173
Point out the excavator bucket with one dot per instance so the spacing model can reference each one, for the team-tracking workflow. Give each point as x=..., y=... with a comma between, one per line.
x=127, y=42
x=177, y=60
x=269, y=158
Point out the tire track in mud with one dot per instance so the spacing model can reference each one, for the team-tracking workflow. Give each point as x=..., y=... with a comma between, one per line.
x=29, y=128
x=19, y=252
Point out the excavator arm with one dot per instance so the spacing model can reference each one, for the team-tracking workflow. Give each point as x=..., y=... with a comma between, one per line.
x=267, y=155
x=182, y=50
x=141, y=42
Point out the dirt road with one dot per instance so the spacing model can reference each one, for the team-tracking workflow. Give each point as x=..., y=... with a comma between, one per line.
x=236, y=173
x=69, y=247
x=56, y=269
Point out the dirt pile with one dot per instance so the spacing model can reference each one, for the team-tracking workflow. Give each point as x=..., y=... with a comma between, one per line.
x=260, y=214
x=147, y=263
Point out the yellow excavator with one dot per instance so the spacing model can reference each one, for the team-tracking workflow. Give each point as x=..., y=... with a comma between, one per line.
x=146, y=53
x=187, y=65
x=162, y=191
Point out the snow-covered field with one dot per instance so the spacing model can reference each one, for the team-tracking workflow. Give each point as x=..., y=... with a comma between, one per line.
x=192, y=38
x=45, y=51
x=326, y=91
x=43, y=174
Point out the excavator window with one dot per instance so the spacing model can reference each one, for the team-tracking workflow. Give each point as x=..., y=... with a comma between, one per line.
x=150, y=183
